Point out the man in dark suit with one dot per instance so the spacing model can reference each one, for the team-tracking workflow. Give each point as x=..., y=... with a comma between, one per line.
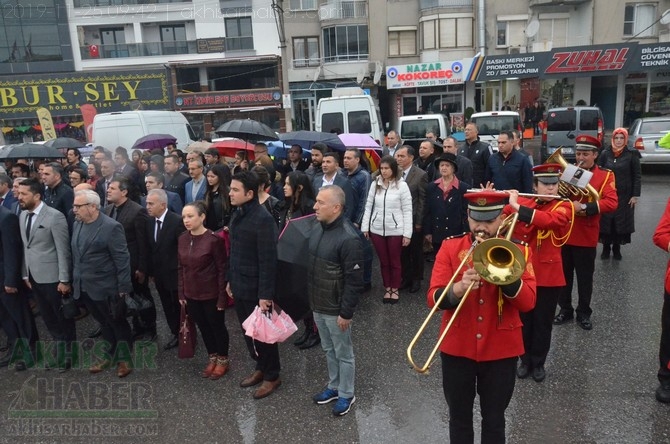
x=58, y=194
x=162, y=231
x=412, y=255
x=107, y=170
x=251, y=274
x=134, y=220
x=295, y=161
x=101, y=277
x=394, y=143
x=155, y=181
x=7, y=199
x=330, y=175
x=16, y=208
x=15, y=315
x=175, y=179
x=125, y=167
x=47, y=264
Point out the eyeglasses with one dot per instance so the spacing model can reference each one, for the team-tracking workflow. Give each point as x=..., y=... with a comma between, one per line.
x=79, y=206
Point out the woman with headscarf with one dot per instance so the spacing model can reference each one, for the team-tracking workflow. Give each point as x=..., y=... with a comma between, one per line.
x=616, y=228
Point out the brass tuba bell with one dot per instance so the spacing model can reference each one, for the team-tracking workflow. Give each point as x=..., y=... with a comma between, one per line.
x=568, y=190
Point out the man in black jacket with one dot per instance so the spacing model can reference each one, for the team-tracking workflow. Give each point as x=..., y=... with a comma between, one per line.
x=251, y=274
x=478, y=152
x=335, y=279
x=175, y=180
x=58, y=194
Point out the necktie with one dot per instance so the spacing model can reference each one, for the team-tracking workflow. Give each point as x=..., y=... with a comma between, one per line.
x=2, y=199
x=404, y=174
x=158, y=229
x=113, y=213
x=29, y=226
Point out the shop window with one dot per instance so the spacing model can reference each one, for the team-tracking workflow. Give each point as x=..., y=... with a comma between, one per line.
x=402, y=43
x=239, y=35
x=306, y=52
x=639, y=20
x=302, y=5
x=345, y=43
x=510, y=33
x=456, y=32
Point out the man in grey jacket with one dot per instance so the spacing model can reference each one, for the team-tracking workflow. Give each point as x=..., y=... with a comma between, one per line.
x=335, y=279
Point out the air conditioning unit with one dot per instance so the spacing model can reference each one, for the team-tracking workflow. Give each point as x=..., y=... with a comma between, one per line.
x=545, y=45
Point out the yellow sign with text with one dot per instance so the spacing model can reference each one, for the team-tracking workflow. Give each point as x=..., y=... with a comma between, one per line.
x=47, y=124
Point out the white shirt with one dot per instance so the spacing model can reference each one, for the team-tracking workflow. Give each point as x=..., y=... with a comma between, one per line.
x=328, y=182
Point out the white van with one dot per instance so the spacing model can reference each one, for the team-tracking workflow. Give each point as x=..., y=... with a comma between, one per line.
x=413, y=129
x=490, y=123
x=349, y=114
x=112, y=130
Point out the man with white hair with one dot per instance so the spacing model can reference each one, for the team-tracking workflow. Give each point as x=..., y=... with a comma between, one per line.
x=101, y=277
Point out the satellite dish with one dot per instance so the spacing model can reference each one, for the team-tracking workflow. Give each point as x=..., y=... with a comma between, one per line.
x=532, y=28
x=378, y=72
x=361, y=75
x=665, y=17
x=317, y=73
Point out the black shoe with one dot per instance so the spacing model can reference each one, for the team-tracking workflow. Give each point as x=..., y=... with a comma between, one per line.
x=416, y=286
x=95, y=332
x=151, y=336
x=303, y=337
x=172, y=344
x=606, y=252
x=562, y=318
x=617, y=255
x=585, y=323
x=367, y=287
x=405, y=284
x=539, y=373
x=314, y=339
x=522, y=371
x=663, y=392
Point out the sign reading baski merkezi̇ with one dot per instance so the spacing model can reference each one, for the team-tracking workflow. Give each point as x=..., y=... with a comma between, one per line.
x=63, y=94
x=229, y=99
x=517, y=65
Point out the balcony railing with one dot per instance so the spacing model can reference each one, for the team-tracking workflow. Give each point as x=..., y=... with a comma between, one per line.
x=306, y=63
x=92, y=3
x=138, y=50
x=431, y=4
x=346, y=58
x=339, y=10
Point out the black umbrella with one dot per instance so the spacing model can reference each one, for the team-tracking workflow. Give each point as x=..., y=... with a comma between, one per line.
x=30, y=151
x=293, y=255
x=308, y=138
x=64, y=143
x=152, y=141
x=246, y=129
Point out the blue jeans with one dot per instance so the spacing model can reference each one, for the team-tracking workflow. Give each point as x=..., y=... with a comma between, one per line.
x=339, y=354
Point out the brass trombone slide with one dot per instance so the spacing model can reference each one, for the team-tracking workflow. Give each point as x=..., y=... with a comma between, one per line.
x=497, y=260
x=475, y=190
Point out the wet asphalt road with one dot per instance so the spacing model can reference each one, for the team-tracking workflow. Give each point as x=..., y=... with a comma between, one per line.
x=599, y=387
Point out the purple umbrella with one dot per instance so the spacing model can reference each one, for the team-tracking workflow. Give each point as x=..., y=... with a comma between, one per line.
x=152, y=141
x=357, y=140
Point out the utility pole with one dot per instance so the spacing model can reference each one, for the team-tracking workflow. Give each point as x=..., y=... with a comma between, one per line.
x=279, y=21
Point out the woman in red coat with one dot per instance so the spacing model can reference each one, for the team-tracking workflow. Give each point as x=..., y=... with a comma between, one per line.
x=544, y=224
x=662, y=241
x=201, y=285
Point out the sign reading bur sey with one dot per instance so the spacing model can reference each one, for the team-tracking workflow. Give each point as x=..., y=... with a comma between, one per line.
x=420, y=75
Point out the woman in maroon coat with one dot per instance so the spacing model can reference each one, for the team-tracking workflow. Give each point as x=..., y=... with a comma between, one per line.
x=201, y=280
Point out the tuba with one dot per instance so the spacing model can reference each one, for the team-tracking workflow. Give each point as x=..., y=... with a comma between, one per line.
x=569, y=191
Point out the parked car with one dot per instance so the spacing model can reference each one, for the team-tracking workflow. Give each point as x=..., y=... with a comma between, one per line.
x=644, y=135
x=565, y=124
x=490, y=123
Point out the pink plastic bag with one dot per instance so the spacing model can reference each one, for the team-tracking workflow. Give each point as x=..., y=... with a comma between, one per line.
x=269, y=327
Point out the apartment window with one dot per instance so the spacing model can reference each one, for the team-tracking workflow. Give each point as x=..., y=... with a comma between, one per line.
x=428, y=34
x=639, y=20
x=501, y=34
x=239, y=35
x=173, y=39
x=306, y=52
x=402, y=43
x=113, y=43
x=344, y=43
x=302, y=5
x=456, y=32
x=554, y=31
x=510, y=33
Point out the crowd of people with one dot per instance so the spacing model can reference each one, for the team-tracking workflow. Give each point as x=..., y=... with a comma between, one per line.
x=205, y=233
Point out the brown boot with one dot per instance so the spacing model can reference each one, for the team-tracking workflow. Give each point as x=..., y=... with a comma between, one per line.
x=122, y=370
x=253, y=379
x=267, y=388
x=207, y=372
x=220, y=369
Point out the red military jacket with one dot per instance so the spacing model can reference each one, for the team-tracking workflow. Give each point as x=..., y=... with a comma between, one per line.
x=477, y=333
x=545, y=227
x=662, y=240
x=586, y=228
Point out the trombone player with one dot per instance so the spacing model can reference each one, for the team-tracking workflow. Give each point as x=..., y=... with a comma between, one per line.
x=579, y=252
x=544, y=223
x=479, y=355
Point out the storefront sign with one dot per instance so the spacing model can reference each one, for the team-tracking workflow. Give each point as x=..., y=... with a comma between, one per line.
x=211, y=45
x=420, y=75
x=517, y=65
x=233, y=99
x=63, y=94
x=655, y=56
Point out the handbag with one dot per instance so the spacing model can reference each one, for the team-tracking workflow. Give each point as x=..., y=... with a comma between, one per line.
x=136, y=304
x=269, y=327
x=187, y=335
x=69, y=307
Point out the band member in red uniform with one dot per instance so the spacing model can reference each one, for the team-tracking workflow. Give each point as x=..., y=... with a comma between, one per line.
x=544, y=224
x=479, y=353
x=579, y=253
x=662, y=241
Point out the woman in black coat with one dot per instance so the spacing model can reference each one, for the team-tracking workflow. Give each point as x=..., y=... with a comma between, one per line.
x=446, y=209
x=616, y=227
x=217, y=200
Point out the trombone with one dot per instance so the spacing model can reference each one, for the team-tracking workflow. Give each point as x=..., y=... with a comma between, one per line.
x=476, y=190
x=497, y=260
